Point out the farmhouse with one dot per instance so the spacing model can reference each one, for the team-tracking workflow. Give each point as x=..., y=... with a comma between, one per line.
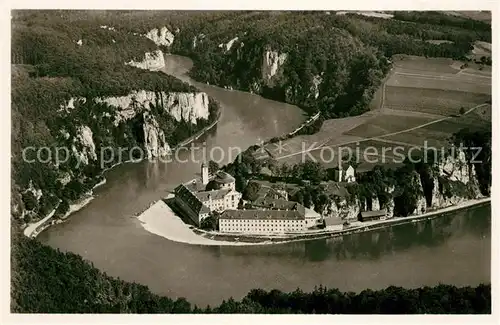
x=373, y=215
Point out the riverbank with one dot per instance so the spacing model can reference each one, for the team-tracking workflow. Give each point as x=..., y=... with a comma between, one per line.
x=161, y=220
x=34, y=229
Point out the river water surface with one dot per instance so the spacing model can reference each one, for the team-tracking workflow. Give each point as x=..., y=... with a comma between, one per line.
x=454, y=249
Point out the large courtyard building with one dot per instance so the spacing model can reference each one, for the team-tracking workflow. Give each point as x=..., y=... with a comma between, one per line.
x=262, y=221
x=197, y=203
x=268, y=216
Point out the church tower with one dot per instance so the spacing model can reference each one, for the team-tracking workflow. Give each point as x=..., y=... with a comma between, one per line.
x=204, y=173
x=340, y=172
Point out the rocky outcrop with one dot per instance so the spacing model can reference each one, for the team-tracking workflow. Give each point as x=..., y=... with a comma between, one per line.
x=84, y=140
x=187, y=106
x=375, y=204
x=198, y=39
x=70, y=104
x=228, y=45
x=455, y=167
x=154, y=138
x=316, y=82
x=342, y=208
x=421, y=202
x=161, y=37
x=456, y=181
x=182, y=106
x=272, y=62
x=152, y=61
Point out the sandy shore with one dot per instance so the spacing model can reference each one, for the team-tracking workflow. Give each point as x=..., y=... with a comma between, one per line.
x=30, y=230
x=160, y=220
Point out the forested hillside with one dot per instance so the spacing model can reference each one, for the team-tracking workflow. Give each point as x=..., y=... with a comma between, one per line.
x=48, y=281
x=68, y=67
x=318, y=60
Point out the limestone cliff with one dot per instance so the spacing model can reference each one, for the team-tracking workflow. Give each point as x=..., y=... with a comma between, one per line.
x=154, y=138
x=86, y=144
x=271, y=64
x=188, y=107
x=421, y=202
x=151, y=61
x=453, y=181
x=342, y=208
x=161, y=37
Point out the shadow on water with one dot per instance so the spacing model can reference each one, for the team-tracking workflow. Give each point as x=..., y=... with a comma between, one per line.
x=373, y=245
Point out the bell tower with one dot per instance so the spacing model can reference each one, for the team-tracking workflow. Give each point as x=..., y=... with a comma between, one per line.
x=204, y=173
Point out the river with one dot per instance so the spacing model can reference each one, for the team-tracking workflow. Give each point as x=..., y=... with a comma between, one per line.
x=454, y=249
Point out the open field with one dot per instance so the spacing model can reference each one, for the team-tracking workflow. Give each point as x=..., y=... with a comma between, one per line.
x=437, y=134
x=418, y=63
x=465, y=82
x=418, y=104
x=434, y=101
x=476, y=15
x=387, y=123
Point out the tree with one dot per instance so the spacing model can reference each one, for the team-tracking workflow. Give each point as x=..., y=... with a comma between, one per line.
x=211, y=222
x=251, y=191
x=29, y=200
x=213, y=167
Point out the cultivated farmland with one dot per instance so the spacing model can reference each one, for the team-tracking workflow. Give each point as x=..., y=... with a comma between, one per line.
x=421, y=103
x=434, y=101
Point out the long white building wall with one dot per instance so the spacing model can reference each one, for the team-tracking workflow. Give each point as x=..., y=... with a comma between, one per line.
x=267, y=226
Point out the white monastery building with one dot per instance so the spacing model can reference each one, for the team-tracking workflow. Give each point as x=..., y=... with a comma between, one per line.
x=267, y=216
x=262, y=221
x=197, y=202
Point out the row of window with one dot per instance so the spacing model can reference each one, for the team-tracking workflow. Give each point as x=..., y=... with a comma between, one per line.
x=257, y=222
x=230, y=229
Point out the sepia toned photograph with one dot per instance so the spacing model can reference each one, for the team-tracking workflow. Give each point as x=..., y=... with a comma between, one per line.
x=251, y=162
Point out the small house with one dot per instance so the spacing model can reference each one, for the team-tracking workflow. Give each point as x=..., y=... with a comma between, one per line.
x=373, y=215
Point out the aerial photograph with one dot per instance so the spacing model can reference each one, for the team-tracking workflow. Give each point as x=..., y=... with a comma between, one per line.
x=250, y=162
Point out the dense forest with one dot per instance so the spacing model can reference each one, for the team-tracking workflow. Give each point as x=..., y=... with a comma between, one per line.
x=45, y=280
x=332, y=63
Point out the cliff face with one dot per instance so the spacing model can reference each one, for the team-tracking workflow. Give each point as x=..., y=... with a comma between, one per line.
x=108, y=124
x=342, y=208
x=453, y=181
x=113, y=123
x=188, y=107
x=154, y=138
x=86, y=144
x=152, y=61
x=161, y=37
x=272, y=63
